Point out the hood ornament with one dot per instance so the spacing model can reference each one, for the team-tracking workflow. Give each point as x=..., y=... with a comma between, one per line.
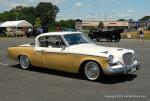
x=120, y=49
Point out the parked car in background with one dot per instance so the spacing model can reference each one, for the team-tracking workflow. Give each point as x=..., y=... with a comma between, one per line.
x=109, y=35
x=2, y=31
x=75, y=53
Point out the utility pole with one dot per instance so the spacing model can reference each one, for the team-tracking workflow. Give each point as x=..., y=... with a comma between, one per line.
x=16, y=18
x=105, y=16
x=16, y=25
x=99, y=16
x=92, y=16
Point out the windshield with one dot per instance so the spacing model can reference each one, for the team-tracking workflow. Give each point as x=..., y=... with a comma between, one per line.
x=77, y=38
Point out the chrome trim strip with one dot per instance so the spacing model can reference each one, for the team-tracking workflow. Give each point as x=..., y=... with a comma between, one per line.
x=65, y=53
x=124, y=69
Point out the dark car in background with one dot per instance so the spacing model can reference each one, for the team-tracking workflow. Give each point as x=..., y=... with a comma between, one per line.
x=109, y=35
x=2, y=31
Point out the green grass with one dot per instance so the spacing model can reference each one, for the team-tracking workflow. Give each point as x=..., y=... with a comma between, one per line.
x=134, y=35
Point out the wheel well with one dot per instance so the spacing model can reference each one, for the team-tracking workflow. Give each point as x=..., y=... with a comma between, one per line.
x=83, y=64
x=19, y=56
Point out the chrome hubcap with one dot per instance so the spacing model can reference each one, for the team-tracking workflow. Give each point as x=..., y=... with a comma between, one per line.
x=24, y=62
x=92, y=70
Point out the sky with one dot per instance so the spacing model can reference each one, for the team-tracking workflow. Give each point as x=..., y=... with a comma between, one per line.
x=89, y=9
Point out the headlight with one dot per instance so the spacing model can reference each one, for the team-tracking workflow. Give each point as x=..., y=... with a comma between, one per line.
x=110, y=59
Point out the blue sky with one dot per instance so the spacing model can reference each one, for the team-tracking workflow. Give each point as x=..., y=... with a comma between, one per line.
x=90, y=9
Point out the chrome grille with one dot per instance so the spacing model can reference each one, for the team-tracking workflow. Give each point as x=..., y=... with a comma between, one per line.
x=127, y=58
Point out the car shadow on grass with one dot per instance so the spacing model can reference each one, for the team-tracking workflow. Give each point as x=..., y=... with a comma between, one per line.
x=105, y=80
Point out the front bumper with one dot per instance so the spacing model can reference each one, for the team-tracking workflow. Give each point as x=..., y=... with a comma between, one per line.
x=122, y=69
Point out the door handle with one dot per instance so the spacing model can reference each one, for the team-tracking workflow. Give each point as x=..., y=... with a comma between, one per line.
x=40, y=51
x=43, y=51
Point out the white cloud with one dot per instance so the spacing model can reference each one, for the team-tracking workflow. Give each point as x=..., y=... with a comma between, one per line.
x=124, y=15
x=9, y=4
x=78, y=4
x=131, y=11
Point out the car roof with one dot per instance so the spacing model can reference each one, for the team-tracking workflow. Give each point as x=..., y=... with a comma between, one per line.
x=57, y=33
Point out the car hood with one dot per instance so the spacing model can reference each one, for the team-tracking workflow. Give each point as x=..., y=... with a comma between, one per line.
x=93, y=49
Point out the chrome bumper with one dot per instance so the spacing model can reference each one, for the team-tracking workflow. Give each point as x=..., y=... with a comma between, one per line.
x=122, y=69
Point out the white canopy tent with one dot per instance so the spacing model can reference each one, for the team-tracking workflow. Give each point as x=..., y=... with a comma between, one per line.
x=20, y=23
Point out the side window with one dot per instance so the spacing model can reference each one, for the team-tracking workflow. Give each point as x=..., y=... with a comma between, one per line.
x=51, y=41
x=32, y=43
x=42, y=42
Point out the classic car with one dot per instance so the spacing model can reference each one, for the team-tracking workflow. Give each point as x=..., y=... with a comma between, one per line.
x=110, y=35
x=74, y=52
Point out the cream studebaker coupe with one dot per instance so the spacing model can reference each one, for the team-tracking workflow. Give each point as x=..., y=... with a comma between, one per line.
x=74, y=52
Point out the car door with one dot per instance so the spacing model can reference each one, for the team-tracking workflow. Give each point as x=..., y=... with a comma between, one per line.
x=35, y=56
x=54, y=53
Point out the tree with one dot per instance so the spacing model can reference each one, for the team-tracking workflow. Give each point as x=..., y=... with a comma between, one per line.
x=38, y=22
x=67, y=23
x=121, y=20
x=28, y=14
x=145, y=18
x=23, y=13
x=101, y=25
x=131, y=20
x=46, y=12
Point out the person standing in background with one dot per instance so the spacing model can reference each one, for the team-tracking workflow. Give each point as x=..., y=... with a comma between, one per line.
x=58, y=28
x=13, y=32
x=140, y=33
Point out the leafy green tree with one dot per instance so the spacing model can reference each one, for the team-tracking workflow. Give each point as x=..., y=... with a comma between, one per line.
x=101, y=25
x=121, y=20
x=67, y=23
x=24, y=13
x=28, y=14
x=131, y=20
x=47, y=12
x=38, y=23
x=145, y=18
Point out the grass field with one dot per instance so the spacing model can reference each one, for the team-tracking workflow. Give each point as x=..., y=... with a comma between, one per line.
x=134, y=35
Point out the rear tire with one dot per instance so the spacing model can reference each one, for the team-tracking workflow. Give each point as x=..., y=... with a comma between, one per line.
x=24, y=62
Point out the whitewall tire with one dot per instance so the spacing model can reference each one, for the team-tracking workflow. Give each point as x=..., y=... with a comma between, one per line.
x=92, y=71
x=24, y=62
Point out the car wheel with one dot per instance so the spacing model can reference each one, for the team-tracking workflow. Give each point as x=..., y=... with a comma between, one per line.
x=24, y=62
x=98, y=39
x=117, y=40
x=92, y=71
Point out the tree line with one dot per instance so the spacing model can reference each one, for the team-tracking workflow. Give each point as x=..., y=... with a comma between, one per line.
x=44, y=14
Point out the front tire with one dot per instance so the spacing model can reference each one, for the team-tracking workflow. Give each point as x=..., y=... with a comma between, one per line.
x=92, y=71
x=24, y=62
